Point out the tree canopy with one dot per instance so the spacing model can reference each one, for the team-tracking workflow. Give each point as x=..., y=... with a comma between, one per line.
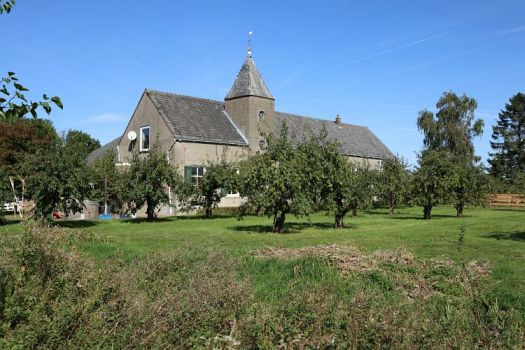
x=219, y=179
x=274, y=181
x=453, y=127
x=147, y=181
x=393, y=183
x=433, y=180
x=508, y=141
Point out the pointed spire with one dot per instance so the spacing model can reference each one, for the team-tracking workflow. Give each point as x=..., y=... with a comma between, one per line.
x=250, y=33
x=249, y=82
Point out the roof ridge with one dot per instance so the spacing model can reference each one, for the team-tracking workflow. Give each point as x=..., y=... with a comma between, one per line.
x=320, y=119
x=181, y=95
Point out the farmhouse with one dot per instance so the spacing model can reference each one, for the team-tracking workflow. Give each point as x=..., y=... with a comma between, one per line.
x=195, y=131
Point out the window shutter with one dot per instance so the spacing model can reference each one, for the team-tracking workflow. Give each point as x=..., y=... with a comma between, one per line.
x=187, y=174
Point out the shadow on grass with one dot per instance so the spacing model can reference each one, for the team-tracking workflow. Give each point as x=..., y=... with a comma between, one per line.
x=513, y=236
x=202, y=217
x=9, y=222
x=420, y=217
x=146, y=220
x=294, y=227
x=77, y=223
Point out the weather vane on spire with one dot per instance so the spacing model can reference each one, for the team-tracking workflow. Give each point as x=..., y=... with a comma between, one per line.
x=250, y=33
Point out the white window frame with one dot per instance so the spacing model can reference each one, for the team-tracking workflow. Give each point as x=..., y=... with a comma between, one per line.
x=197, y=176
x=149, y=138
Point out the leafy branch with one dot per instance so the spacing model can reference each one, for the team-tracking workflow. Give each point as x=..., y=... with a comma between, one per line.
x=15, y=105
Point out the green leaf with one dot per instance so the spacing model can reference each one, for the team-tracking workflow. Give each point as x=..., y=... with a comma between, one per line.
x=57, y=101
x=20, y=87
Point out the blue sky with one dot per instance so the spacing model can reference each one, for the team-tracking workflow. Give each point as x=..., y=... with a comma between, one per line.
x=376, y=63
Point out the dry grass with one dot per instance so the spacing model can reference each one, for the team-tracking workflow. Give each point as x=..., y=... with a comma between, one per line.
x=413, y=277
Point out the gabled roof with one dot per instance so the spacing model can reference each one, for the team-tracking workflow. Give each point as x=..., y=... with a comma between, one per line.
x=249, y=82
x=196, y=119
x=100, y=152
x=355, y=140
x=201, y=120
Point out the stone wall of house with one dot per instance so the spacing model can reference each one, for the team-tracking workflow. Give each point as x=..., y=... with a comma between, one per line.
x=145, y=115
x=245, y=113
x=371, y=162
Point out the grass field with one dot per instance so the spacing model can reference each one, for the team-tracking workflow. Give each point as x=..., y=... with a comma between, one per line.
x=495, y=236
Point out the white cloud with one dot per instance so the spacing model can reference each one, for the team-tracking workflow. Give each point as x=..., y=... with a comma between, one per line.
x=512, y=30
x=106, y=118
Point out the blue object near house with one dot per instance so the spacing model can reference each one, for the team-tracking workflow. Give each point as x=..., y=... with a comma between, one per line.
x=105, y=217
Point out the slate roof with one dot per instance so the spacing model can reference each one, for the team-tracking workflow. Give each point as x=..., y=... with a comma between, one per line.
x=202, y=120
x=355, y=140
x=249, y=82
x=196, y=119
x=100, y=152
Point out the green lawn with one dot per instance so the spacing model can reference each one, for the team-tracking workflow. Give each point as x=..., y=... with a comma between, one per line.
x=289, y=288
x=496, y=235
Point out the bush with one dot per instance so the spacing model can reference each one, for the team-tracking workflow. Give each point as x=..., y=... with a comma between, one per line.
x=52, y=296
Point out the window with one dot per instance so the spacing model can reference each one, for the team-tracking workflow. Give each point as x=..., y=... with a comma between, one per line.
x=192, y=174
x=379, y=165
x=144, y=139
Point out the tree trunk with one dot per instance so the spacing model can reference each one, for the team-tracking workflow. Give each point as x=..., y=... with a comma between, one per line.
x=339, y=220
x=354, y=211
x=459, y=210
x=209, y=212
x=427, y=211
x=391, y=210
x=150, y=211
x=278, y=222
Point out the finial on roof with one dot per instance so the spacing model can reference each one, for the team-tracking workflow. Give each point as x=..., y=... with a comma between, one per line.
x=250, y=33
x=338, y=119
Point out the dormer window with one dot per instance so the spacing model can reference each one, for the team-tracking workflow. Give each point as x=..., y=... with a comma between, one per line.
x=144, y=138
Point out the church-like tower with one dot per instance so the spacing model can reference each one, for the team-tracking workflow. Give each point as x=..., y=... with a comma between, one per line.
x=250, y=104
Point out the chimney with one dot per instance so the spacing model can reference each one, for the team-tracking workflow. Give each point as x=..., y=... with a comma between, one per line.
x=338, y=120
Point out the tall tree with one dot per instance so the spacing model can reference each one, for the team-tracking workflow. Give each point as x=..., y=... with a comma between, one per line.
x=81, y=142
x=58, y=179
x=147, y=181
x=453, y=127
x=392, y=184
x=274, y=181
x=107, y=187
x=508, y=141
x=433, y=180
x=451, y=130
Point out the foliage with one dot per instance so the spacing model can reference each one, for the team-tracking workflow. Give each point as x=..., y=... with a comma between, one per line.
x=452, y=131
x=433, y=180
x=81, y=143
x=274, y=181
x=219, y=179
x=393, y=183
x=508, y=142
x=470, y=187
x=147, y=181
x=103, y=172
x=15, y=105
x=58, y=179
x=453, y=126
x=6, y=6
x=53, y=296
x=22, y=138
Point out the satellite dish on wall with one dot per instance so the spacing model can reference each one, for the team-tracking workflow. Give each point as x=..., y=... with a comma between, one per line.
x=132, y=135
